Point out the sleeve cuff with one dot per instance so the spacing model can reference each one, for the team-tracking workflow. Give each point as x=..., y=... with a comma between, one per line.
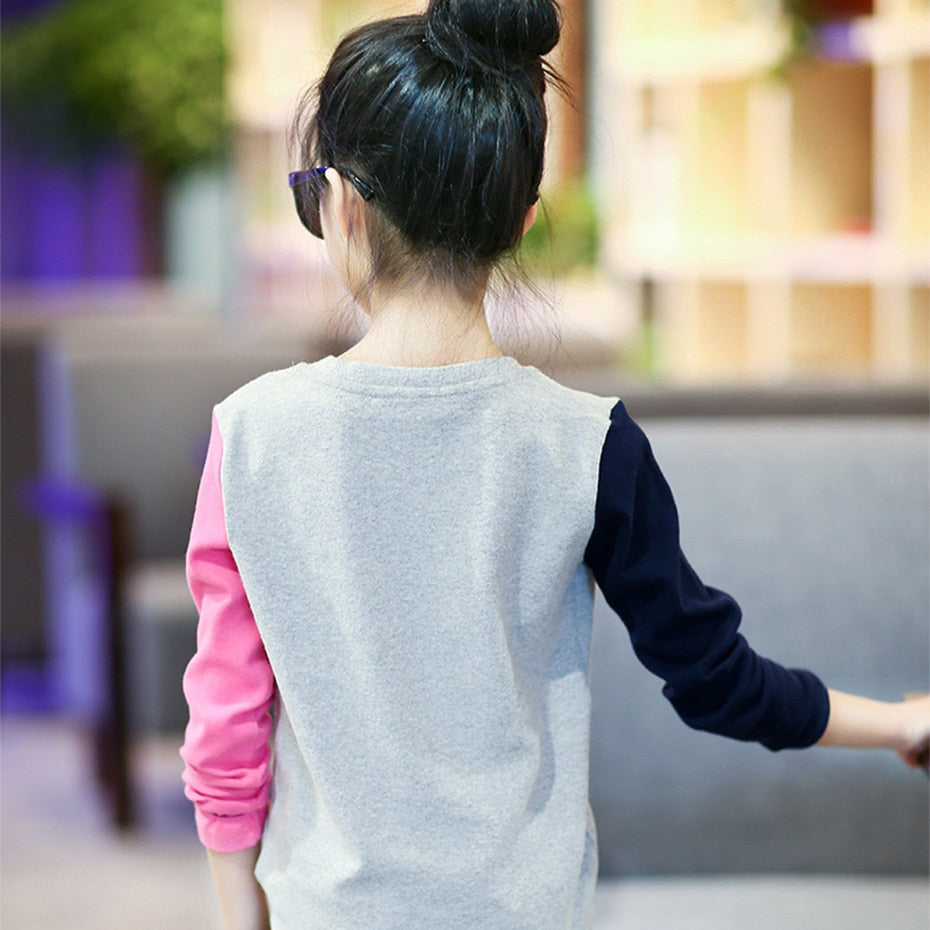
x=230, y=834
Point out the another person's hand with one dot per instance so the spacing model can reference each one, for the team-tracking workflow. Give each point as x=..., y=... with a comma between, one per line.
x=917, y=753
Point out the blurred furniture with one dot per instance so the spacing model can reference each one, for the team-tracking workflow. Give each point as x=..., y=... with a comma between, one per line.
x=772, y=198
x=100, y=522
x=818, y=525
x=22, y=593
x=124, y=406
x=36, y=432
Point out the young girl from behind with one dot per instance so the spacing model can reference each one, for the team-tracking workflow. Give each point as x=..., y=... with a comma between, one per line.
x=392, y=550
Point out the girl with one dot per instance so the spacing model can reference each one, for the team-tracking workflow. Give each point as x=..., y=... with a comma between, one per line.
x=393, y=551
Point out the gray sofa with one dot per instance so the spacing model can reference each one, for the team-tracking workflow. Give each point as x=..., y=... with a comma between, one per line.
x=818, y=525
x=819, y=528
x=127, y=405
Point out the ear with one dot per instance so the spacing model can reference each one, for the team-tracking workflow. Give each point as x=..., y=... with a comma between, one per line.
x=530, y=218
x=344, y=204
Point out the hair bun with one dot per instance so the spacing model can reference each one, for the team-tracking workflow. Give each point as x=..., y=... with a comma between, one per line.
x=492, y=32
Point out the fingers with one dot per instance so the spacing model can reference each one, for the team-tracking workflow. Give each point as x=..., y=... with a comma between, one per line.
x=917, y=754
x=917, y=760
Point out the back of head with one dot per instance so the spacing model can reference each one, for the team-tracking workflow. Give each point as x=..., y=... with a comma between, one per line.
x=443, y=114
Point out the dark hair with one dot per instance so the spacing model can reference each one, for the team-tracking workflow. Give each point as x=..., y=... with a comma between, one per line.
x=443, y=114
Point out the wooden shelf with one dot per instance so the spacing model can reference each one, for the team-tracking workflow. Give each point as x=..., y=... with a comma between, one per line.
x=893, y=38
x=830, y=147
x=839, y=259
x=783, y=223
x=736, y=51
x=732, y=329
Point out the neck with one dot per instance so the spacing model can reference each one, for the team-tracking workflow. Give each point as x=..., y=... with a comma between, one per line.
x=424, y=327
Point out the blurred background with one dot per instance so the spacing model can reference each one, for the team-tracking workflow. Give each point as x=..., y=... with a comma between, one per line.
x=735, y=238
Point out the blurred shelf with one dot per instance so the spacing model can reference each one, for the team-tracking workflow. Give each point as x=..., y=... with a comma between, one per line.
x=884, y=39
x=736, y=51
x=851, y=258
x=782, y=222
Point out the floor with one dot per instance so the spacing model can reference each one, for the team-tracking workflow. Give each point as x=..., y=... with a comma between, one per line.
x=62, y=868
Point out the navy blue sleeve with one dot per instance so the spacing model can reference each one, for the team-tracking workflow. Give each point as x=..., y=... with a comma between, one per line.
x=682, y=630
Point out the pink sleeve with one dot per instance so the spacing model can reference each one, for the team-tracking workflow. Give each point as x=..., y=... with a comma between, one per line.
x=229, y=684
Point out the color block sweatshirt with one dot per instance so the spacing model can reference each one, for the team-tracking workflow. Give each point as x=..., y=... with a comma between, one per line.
x=394, y=569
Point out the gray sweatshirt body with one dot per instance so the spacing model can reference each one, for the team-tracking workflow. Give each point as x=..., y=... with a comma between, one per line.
x=412, y=545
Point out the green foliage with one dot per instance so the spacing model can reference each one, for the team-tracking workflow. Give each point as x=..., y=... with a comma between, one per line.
x=148, y=73
x=802, y=36
x=565, y=236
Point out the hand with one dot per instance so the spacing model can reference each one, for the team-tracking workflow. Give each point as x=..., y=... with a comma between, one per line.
x=916, y=753
x=861, y=723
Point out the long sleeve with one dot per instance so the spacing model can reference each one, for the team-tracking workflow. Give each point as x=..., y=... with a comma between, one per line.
x=681, y=630
x=228, y=684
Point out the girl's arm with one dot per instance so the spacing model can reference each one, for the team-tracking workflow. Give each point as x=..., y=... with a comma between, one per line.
x=230, y=688
x=861, y=723
x=242, y=902
x=681, y=630
x=688, y=633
